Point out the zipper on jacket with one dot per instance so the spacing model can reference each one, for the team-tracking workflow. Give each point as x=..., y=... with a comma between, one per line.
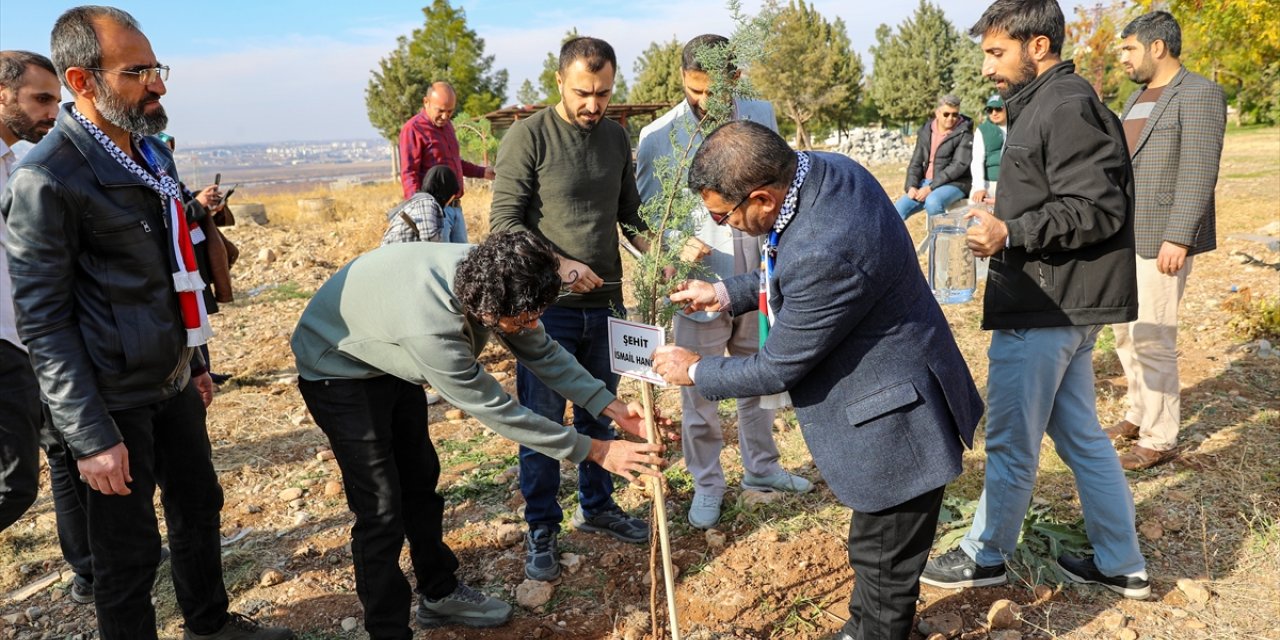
x=145, y=227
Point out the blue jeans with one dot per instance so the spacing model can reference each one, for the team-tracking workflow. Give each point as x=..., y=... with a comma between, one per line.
x=1041, y=381
x=585, y=334
x=937, y=201
x=455, y=226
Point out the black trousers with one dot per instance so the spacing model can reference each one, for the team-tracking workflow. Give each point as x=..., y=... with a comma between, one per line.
x=378, y=431
x=888, y=550
x=19, y=434
x=168, y=449
x=69, y=497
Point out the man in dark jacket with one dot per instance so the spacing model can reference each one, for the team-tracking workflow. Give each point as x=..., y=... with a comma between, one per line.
x=884, y=398
x=939, y=171
x=1061, y=247
x=108, y=305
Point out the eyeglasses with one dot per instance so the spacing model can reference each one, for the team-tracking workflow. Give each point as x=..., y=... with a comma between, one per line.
x=721, y=218
x=147, y=76
x=953, y=114
x=994, y=109
x=522, y=321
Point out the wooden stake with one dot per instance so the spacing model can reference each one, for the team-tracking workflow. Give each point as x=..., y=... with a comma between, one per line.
x=660, y=510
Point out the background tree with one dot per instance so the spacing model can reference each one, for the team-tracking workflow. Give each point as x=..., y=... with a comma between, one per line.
x=658, y=73
x=1092, y=40
x=806, y=66
x=547, y=79
x=915, y=65
x=527, y=94
x=968, y=83
x=840, y=115
x=1235, y=43
x=443, y=49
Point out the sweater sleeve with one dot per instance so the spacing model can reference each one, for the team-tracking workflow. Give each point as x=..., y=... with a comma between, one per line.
x=516, y=181
x=978, y=163
x=629, y=199
x=410, y=160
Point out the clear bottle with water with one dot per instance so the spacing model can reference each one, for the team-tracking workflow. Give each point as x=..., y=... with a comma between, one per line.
x=952, y=271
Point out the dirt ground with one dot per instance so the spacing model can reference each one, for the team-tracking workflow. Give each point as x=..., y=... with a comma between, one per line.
x=772, y=570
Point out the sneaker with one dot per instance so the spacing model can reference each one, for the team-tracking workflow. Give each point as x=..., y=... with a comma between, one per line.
x=81, y=590
x=242, y=627
x=1123, y=430
x=613, y=522
x=542, y=558
x=781, y=481
x=1084, y=571
x=465, y=606
x=954, y=569
x=704, y=511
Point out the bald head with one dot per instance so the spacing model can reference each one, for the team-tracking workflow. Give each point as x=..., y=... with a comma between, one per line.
x=439, y=103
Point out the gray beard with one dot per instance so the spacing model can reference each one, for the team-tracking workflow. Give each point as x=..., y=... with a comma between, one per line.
x=129, y=117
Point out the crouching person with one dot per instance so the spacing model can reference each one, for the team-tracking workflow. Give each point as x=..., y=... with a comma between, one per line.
x=408, y=314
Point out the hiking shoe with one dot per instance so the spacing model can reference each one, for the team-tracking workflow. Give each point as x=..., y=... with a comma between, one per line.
x=1084, y=571
x=614, y=522
x=1140, y=457
x=542, y=558
x=954, y=569
x=81, y=590
x=465, y=606
x=704, y=511
x=1123, y=430
x=781, y=481
x=242, y=627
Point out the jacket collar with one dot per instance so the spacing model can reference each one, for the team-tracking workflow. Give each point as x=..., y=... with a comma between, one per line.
x=1014, y=104
x=1170, y=90
x=106, y=169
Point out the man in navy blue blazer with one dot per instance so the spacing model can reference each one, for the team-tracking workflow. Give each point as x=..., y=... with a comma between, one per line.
x=884, y=398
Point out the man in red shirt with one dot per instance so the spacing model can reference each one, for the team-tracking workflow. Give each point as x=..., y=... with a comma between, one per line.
x=428, y=139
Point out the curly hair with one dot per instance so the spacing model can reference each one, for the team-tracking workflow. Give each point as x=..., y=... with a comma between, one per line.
x=508, y=274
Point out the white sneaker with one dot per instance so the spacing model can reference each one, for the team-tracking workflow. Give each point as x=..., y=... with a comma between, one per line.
x=432, y=397
x=704, y=511
x=781, y=481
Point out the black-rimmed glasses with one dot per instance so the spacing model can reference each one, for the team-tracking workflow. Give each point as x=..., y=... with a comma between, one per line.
x=147, y=76
x=721, y=218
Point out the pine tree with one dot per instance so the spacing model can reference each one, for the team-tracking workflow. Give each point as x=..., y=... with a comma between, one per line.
x=442, y=49
x=657, y=72
x=807, y=68
x=842, y=114
x=914, y=66
x=527, y=94
x=970, y=86
x=547, y=79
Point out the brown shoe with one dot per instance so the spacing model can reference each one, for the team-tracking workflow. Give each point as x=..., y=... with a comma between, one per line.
x=1123, y=430
x=1139, y=458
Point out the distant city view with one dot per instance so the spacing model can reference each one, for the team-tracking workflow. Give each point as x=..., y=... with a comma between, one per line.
x=278, y=166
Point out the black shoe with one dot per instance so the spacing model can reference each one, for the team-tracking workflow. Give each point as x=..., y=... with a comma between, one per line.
x=542, y=557
x=81, y=590
x=465, y=606
x=219, y=378
x=242, y=627
x=613, y=522
x=1084, y=571
x=954, y=569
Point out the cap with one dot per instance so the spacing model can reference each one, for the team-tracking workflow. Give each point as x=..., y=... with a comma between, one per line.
x=995, y=102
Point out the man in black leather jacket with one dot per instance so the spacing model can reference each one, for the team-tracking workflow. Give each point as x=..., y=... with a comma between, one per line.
x=97, y=278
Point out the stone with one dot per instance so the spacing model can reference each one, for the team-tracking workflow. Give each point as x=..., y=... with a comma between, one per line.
x=271, y=578
x=266, y=256
x=14, y=619
x=753, y=500
x=509, y=534
x=936, y=636
x=1043, y=592
x=350, y=624
x=324, y=455
x=1194, y=591
x=571, y=562
x=290, y=494
x=253, y=508
x=532, y=594
x=1195, y=624
x=1126, y=634
x=454, y=414
x=947, y=624
x=332, y=488
x=34, y=612
x=716, y=539
x=1003, y=614
x=1113, y=620
x=1151, y=530
x=1005, y=634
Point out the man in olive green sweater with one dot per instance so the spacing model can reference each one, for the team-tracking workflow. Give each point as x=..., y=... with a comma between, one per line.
x=566, y=174
x=408, y=314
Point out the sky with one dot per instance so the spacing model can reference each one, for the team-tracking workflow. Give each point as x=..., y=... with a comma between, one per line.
x=291, y=70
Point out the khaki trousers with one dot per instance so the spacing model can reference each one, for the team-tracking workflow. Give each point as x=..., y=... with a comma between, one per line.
x=1148, y=351
x=702, y=437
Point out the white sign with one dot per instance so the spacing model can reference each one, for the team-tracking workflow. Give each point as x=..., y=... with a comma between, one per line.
x=631, y=348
